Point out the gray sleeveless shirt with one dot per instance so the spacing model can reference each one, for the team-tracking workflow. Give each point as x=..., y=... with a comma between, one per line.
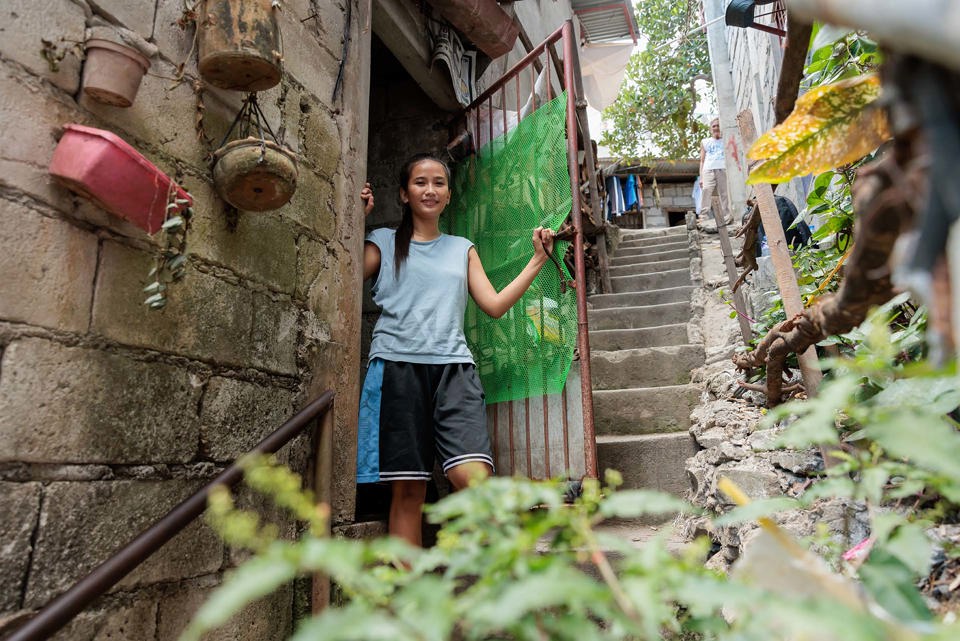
x=422, y=310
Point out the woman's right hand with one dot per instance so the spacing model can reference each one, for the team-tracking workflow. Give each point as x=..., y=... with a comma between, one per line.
x=366, y=195
x=543, y=242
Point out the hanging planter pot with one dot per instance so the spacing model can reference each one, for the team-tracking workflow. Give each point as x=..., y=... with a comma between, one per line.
x=101, y=166
x=116, y=60
x=240, y=45
x=253, y=173
x=112, y=72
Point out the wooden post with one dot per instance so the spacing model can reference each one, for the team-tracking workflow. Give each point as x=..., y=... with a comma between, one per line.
x=780, y=256
x=738, y=303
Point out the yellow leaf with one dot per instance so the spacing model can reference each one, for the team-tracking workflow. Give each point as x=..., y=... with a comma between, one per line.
x=831, y=126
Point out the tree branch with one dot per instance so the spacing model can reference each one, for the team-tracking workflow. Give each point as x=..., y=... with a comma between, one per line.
x=885, y=201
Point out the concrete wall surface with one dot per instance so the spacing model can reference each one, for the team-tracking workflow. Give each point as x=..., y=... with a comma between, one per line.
x=755, y=60
x=110, y=414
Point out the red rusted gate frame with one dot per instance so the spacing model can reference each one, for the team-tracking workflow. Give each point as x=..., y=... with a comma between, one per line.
x=576, y=130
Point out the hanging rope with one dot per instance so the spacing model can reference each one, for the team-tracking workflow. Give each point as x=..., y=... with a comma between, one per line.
x=249, y=114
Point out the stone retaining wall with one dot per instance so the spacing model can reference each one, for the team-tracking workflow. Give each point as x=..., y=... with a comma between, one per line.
x=727, y=428
x=734, y=444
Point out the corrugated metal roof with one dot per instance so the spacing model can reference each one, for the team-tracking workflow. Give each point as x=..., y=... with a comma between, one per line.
x=606, y=20
x=661, y=169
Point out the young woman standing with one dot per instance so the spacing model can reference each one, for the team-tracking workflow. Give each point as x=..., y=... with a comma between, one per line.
x=422, y=399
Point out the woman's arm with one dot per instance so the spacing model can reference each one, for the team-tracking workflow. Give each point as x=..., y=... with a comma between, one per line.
x=371, y=260
x=371, y=253
x=496, y=303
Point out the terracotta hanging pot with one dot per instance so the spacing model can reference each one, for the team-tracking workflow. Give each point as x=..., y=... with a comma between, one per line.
x=112, y=72
x=240, y=45
x=253, y=174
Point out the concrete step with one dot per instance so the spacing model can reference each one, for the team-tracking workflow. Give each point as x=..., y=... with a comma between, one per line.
x=644, y=410
x=634, y=299
x=657, y=280
x=644, y=367
x=650, y=241
x=646, y=251
x=654, y=462
x=654, y=236
x=650, y=258
x=641, y=316
x=652, y=232
x=639, y=532
x=649, y=268
x=663, y=245
x=606, y=340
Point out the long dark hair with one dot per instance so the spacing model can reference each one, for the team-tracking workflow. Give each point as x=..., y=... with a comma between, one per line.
x=401, y=248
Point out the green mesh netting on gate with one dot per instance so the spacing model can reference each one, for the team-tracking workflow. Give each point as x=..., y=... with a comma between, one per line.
x=514, y=184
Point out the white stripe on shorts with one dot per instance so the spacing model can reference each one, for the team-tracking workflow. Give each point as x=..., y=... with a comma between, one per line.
x=467, y=458
x=405, y=476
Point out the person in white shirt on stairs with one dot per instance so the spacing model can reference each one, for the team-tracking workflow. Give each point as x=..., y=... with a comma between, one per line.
x=713, y=175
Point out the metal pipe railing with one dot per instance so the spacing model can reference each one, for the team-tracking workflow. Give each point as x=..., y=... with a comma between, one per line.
x=62, y=609
x=583, y=336
x=517, y=68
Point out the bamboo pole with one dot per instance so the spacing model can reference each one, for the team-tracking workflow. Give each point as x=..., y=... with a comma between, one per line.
x=780, y=257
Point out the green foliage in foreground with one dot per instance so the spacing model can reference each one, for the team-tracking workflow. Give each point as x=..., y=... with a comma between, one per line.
x=513, y=561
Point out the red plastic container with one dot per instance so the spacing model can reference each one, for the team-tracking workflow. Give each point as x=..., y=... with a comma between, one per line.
x=99, y=165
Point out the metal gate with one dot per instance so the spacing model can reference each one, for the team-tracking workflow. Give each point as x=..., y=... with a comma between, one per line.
x=553, y=435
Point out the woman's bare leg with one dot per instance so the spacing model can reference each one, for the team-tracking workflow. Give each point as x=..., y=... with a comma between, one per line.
x=461, y=475
x=406, y=510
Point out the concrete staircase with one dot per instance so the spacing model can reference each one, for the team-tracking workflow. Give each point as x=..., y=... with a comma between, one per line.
x=641, y=359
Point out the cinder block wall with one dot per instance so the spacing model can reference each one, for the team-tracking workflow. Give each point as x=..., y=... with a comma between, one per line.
x=755, y=59
x=672, y=195
x=110, y=414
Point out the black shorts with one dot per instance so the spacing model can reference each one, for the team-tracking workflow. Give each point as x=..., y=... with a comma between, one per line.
x=414, y=413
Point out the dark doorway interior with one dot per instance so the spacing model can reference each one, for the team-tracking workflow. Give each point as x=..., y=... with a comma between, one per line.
x=403, y=121
x=677, y=218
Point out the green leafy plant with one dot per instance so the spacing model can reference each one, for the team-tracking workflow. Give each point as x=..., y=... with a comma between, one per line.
x=834, y=130
x=170, y=261
x=832, y=125
x=839, y=55
x=886, y=418
x=514, y=561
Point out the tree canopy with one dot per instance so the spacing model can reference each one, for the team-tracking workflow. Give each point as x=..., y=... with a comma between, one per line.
x=653, y=115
